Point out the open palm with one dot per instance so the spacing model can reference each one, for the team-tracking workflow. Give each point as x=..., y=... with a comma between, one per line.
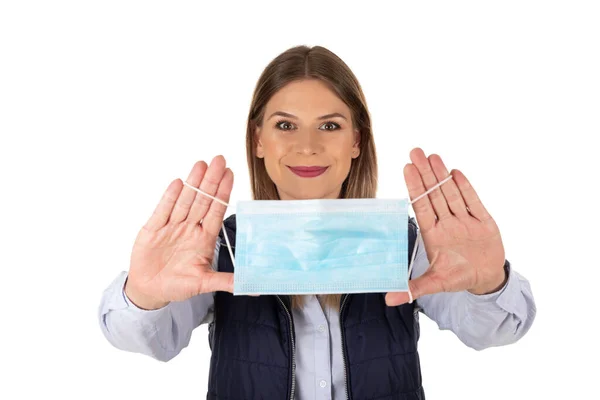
x=172, y=255
x=462, y=240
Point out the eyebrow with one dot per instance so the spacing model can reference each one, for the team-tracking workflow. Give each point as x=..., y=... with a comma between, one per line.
x=284, y=114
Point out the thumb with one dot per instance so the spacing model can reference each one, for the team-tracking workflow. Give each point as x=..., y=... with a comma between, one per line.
x=217, y=282
x=428, y=283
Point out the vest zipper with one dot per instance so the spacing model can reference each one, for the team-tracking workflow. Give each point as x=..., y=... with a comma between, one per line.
x=344, y=297
x=293, y=348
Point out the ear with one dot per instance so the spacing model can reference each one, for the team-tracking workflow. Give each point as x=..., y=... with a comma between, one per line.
x=356, y=145
x=260, y=152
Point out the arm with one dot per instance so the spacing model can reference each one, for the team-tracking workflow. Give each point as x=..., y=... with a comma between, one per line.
x=160, y=333
x=480, y=321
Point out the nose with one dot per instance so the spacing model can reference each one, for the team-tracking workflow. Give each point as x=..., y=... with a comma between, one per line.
x=308, y=142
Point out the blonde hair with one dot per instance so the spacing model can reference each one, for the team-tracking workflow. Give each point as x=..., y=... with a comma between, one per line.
x=300, y=63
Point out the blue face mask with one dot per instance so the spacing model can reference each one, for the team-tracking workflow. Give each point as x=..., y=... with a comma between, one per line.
x=321, y=246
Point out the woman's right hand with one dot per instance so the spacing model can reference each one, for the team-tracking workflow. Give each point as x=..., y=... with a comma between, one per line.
x=172, y=255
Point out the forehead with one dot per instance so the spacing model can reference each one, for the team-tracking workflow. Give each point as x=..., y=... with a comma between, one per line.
x=306, y=99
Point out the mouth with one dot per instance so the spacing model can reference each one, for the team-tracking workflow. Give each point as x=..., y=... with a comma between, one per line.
x=308, y=172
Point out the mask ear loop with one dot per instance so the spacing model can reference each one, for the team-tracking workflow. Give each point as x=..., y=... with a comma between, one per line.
x=410, y=296
x=412, y=260
x=222, y=224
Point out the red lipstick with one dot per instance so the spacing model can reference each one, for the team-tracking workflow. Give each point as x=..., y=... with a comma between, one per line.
x=308, y=172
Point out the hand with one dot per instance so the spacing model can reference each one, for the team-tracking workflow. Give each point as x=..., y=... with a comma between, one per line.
x=461, y=239
x=172, y=255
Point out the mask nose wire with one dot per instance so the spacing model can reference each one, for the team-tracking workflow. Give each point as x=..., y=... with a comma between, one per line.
x=412, y=202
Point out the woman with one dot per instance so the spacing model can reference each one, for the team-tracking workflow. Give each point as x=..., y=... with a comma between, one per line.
x=309, y=137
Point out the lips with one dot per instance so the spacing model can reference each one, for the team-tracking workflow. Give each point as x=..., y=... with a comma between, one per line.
x=308, y=172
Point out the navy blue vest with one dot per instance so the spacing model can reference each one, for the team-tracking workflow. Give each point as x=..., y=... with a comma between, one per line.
x=252, y=342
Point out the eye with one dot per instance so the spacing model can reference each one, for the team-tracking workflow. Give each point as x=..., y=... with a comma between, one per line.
x=282, y=125
x=332, y=124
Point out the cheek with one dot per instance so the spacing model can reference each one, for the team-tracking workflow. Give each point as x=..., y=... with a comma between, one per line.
x=342, y=151
x=274, y=148
x=344, y=165
x=343, y=155
x=274, y=151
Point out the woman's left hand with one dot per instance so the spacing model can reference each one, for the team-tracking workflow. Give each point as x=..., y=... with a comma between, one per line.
x=461, y=239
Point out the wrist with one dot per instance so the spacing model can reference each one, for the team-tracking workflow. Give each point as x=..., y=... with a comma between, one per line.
x=493, y=285
x=142, y=301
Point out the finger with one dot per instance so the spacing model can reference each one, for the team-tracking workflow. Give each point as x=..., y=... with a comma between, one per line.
x=423, y=208
x=449, y=189
x=163, y=210
x=202, y=202
x=428, y=283
x=209, y=185
x=217, y=282
x=186, y=198
x=214, y=217
x=440, y=206
x=393, y=299
x=471, y=198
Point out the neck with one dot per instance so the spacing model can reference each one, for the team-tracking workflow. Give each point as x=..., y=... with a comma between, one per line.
x=326, y=300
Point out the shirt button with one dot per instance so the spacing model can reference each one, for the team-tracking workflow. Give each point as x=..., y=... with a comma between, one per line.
x=321, y=328
x=322, y=384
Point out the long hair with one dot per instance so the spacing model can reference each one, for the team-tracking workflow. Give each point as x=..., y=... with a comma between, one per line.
x=301, y=63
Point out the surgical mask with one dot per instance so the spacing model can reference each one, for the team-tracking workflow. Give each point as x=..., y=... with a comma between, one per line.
x=321, y=246
x=325, y=246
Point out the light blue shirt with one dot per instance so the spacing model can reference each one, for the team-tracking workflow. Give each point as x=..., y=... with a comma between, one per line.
x=495, y=319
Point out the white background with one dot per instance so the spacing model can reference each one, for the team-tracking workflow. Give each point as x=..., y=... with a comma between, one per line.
x=102, y=104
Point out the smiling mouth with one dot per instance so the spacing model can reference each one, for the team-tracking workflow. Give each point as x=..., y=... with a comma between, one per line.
x=308, y=172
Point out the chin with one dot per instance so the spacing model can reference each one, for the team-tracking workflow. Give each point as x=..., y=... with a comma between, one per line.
x=309, y=193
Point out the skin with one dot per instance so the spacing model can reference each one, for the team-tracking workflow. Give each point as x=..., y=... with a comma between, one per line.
x=173, y=251
x=307, y=140
x=463, y=245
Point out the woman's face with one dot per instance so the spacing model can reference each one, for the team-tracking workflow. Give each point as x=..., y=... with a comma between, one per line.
x=307, y=141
